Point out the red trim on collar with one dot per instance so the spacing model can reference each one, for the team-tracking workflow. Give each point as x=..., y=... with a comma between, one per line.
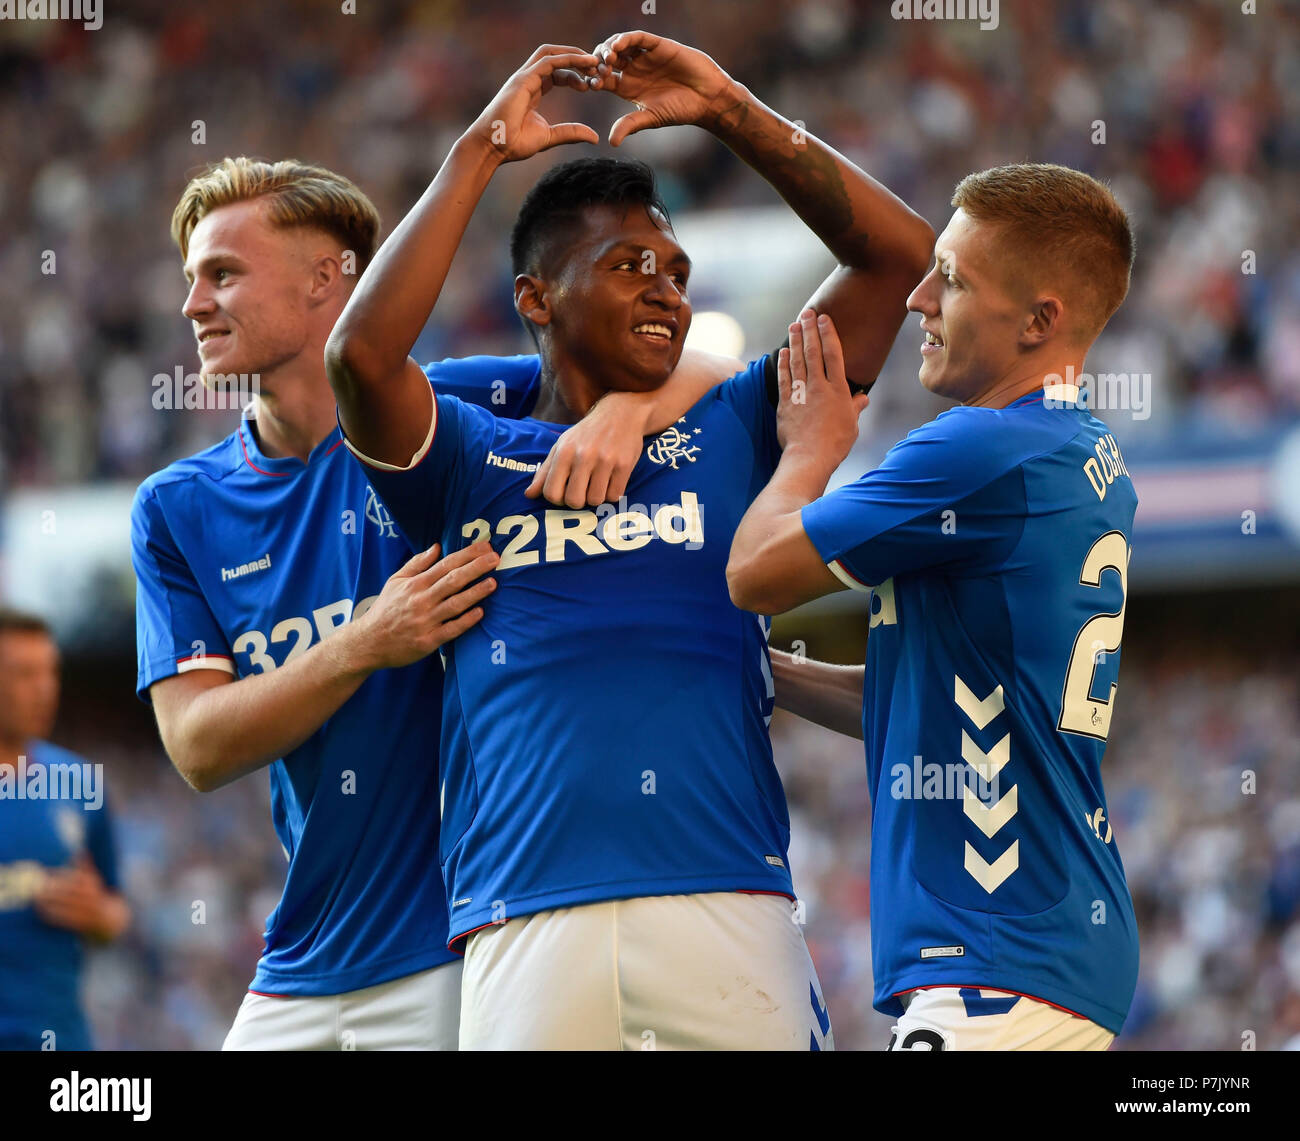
x=261, y=471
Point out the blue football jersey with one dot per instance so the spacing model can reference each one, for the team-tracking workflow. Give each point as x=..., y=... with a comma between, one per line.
x=53, y=811
x=997, y=543
x=244, y=562
x=605, y=724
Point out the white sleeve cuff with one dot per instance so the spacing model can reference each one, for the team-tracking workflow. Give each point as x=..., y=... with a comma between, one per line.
x=205, y=662
x=415, y=459
x=837, y=569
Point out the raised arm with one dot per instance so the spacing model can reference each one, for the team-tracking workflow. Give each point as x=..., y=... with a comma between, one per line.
x=383, y=395
x=882, y=247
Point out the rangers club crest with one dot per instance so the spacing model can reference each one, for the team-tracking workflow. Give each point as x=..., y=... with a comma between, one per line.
x=378, y=514
x=673, y=445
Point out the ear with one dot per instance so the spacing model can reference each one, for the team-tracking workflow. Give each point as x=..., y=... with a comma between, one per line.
x=1045, y=321
x=532, y=302
x=327, y=278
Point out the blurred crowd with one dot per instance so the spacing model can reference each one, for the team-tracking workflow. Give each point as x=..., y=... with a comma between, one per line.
x=1202, y=778
x=1190, y=108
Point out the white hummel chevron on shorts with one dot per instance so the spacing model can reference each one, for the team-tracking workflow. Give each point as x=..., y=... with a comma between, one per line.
x=713, y=971
x=976, y=1018
x=416, y=1012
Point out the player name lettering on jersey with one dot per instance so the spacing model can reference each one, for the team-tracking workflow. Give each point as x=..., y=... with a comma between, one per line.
x=1106, y=466
x=591, y=531
x=264, y=563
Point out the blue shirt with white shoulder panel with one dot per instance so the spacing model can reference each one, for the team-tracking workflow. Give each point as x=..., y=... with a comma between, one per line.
x=605, y=724
x=997, y=542
x=243, y=562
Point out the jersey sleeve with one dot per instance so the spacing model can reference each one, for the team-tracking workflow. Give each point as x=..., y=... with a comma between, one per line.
x=504, y=386
x=774, y=380
x=943, y=497
x=175, y=628
x=432, y=490
x=747, y=395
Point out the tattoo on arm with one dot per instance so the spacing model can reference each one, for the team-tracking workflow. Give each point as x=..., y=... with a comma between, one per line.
x=806, y=175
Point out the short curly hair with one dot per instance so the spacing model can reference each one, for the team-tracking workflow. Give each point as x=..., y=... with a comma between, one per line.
x=552, y=209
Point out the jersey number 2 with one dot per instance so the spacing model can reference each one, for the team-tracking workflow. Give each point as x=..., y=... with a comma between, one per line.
x=1080, y=712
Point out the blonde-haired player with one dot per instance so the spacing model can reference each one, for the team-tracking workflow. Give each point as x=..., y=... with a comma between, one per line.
x=995, y=543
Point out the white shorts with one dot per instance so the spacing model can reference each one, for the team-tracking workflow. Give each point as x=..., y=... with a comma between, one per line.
x=715, y=971
x=970, y=1018
x=416, y=1012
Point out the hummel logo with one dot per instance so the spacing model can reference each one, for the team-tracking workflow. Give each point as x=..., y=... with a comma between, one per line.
x=509, y=464
x=264, y=563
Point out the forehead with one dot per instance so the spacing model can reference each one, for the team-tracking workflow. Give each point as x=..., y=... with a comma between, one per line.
x=966, y=239
x=240, y=228
x=604, y=227
x=27, y=645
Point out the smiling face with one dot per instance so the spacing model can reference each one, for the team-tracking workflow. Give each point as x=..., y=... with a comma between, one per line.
x=248, y=299
x=618, y=306
x=974, y=309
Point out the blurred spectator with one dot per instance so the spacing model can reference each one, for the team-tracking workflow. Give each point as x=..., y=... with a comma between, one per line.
x=58, y=863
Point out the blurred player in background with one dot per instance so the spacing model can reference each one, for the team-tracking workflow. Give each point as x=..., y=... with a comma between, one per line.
x=995, y=541
x=283, y=622
x=615, y=831
x=58, y=863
